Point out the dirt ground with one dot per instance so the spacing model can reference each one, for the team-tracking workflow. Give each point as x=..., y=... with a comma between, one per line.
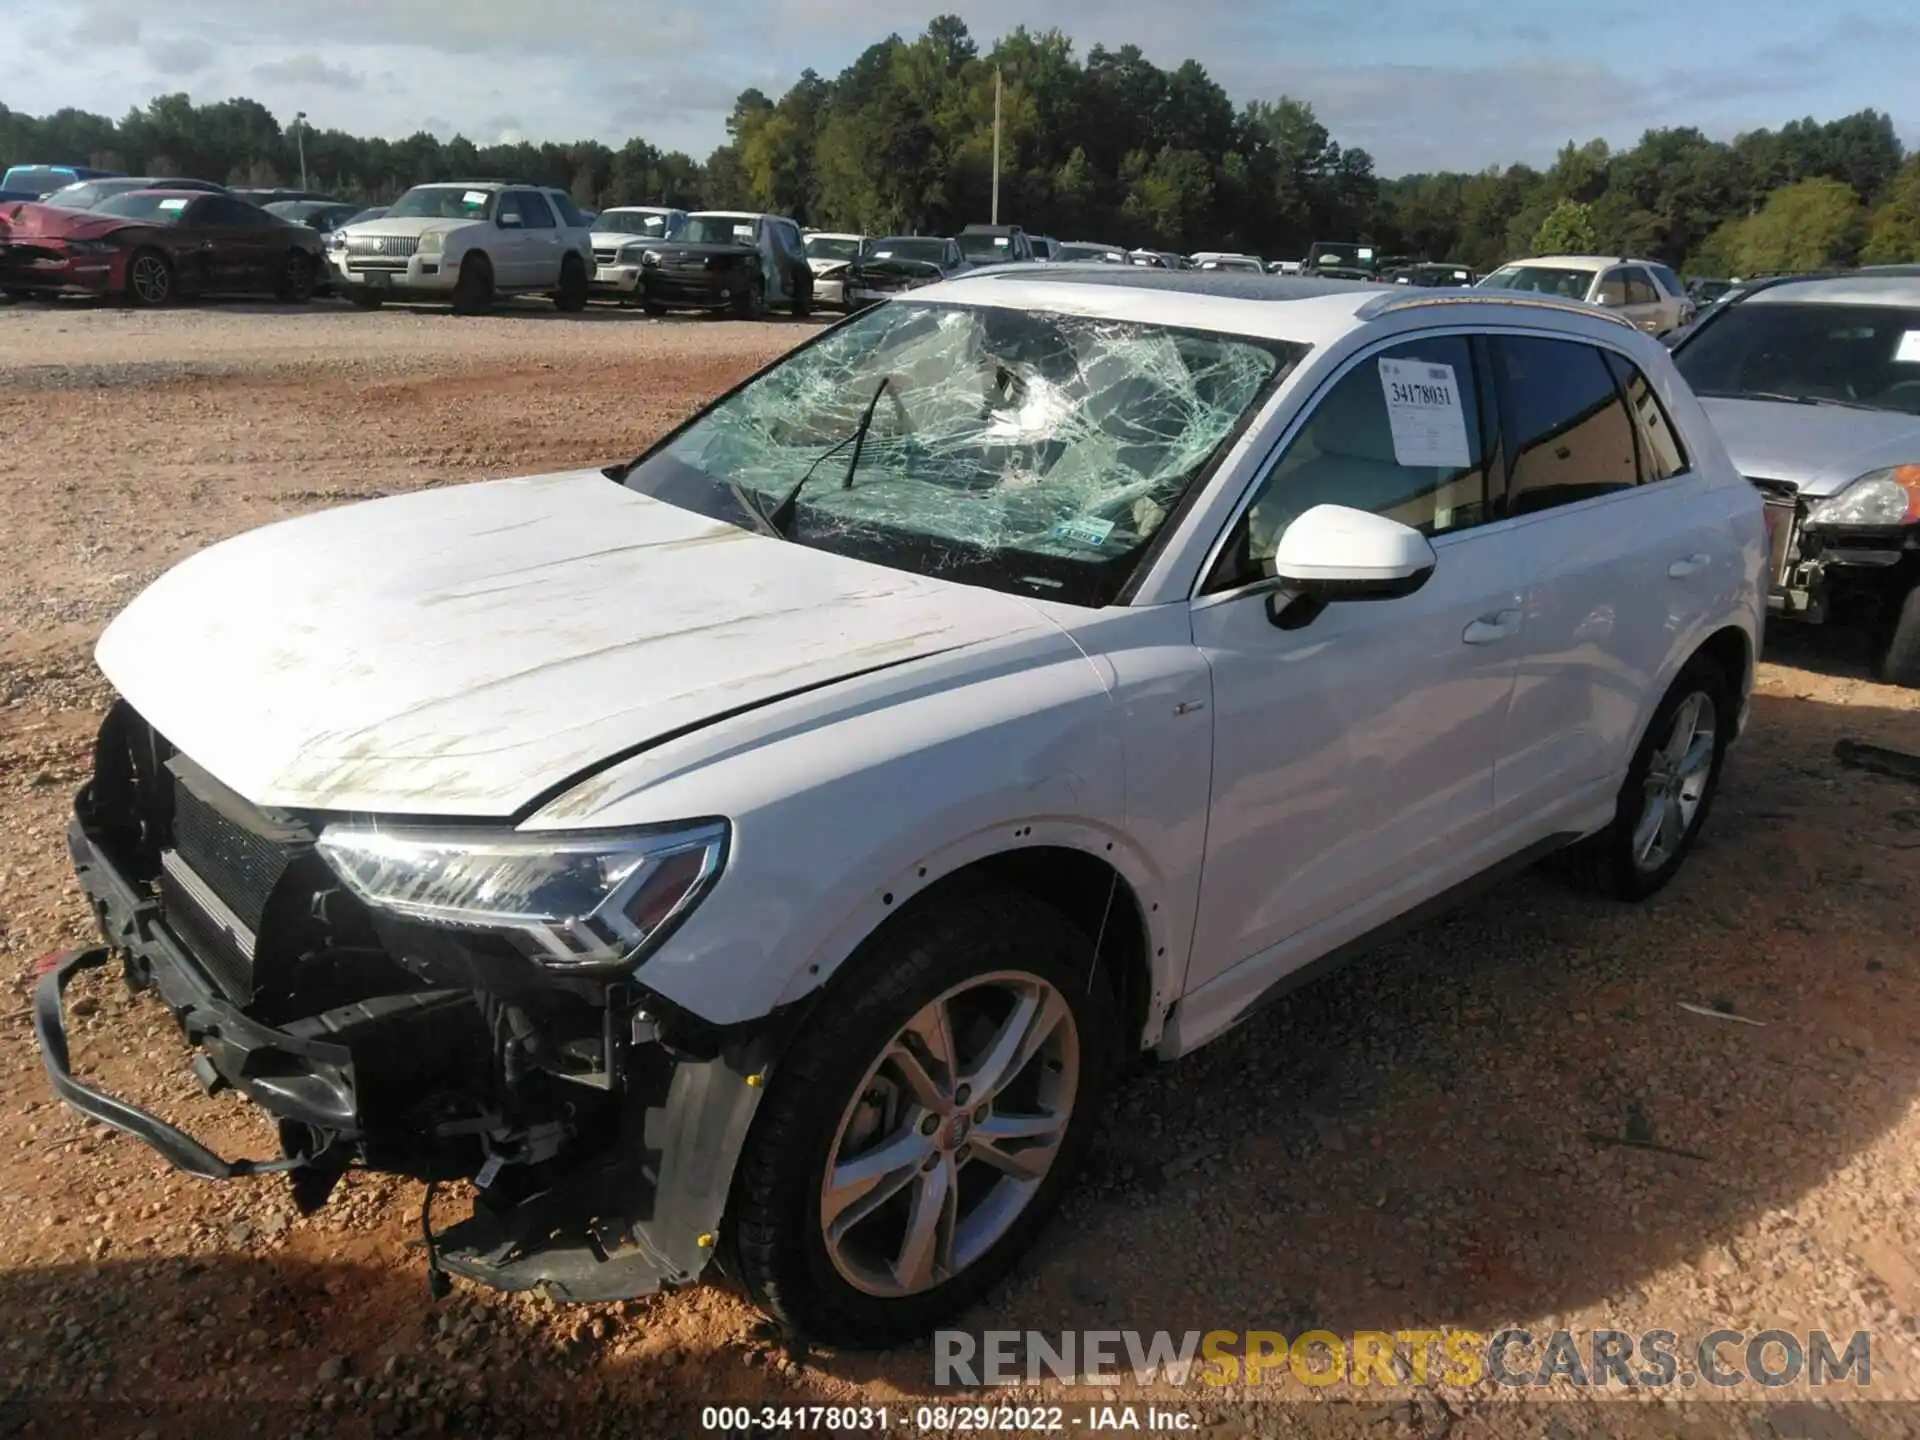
x=1505, y=1119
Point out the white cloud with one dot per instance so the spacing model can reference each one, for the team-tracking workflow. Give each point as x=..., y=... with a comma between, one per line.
x=308, y=70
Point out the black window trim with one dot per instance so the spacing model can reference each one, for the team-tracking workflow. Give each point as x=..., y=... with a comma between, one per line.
x=1491, y=434
x=1624, y=368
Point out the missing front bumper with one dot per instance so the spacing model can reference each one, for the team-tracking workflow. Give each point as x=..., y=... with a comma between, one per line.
x=639, y=1213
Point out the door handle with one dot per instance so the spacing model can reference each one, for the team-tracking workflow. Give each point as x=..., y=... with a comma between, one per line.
x=1489, y=628
x=1681, y=569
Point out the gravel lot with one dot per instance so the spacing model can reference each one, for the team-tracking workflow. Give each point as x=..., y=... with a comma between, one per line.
x=1420, y=1142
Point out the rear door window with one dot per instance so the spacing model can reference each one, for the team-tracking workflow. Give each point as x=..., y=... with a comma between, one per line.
x=1569, y=437
x=1661, y=454
x=1640, y=289
x=1612, y=289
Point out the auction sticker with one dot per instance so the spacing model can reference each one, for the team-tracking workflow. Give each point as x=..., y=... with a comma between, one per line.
x=1909, y=351
x=1424, y=409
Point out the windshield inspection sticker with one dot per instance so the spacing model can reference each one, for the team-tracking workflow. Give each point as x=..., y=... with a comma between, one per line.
x=170, y=207
x=1909, y=351
x=1423, y=407
x=1086, y=532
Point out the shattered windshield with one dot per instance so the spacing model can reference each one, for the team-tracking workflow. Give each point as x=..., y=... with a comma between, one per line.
x=1022, y=450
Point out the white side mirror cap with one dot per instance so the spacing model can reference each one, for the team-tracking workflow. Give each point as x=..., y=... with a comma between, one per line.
x=1333, y=552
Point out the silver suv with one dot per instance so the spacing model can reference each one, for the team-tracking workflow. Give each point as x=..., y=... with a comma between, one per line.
x=1645, y=293
x=467, y=242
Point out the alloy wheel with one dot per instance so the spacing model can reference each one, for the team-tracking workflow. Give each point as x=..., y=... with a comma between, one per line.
x=950, y=1134
x=1677, y=779
x=152, y=282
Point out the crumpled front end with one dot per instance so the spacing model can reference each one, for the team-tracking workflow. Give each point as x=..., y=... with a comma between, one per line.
x=598, y=1124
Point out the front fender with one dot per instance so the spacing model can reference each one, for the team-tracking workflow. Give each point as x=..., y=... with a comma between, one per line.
x=841, y=799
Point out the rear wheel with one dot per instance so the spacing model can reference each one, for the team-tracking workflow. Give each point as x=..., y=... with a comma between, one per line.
x=150, y=279
x=473, y=291
x=1896, y=657
x=572, y=294
x=1668, y=791
x=802, y=301
x=923, y=1128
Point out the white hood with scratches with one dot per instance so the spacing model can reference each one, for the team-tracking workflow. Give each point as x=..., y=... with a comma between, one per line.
x=462, y=651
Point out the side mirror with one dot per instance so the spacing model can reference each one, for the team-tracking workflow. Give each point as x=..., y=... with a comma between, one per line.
x=1333, y=552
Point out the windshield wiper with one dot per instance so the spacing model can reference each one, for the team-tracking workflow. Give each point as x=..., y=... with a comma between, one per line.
x=782, y=514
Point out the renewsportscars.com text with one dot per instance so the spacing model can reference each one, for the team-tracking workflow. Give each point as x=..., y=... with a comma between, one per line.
x=1653, y=1359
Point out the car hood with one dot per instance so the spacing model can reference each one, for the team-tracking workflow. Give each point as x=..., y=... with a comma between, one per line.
x=617, y=239
x=1817, y=448
x=672, y=250
x=54, y=222
x=474, y=650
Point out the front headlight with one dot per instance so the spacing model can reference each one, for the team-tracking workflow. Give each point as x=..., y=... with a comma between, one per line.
x=91, y=247
x=633, y=255
x=563, y=900
x=337, y=240
x=650, y=257
x=1878, y=498
x=433, y=242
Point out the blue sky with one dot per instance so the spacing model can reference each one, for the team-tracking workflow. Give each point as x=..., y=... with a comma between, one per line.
x=1422, y=84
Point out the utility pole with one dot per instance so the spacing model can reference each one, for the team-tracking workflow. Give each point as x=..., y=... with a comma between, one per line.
x=300, y=139
x=994, y=218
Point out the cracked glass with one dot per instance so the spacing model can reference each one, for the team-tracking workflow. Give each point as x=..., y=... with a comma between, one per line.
x=1026, y=450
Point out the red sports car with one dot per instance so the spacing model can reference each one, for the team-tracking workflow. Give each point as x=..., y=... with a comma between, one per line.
x=152, y=247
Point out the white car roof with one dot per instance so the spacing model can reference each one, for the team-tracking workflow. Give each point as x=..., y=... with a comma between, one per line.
x=1582, y=262
x=734, y=214
x=1841, y=290
x=833, y=235
x=639, y=210
x=1310, y=311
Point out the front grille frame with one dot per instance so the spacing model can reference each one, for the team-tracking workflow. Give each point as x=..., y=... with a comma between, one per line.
x=390, y=246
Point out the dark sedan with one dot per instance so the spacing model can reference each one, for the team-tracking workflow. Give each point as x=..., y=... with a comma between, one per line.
x=152, y=247
x=899, y=263
x=85, y=194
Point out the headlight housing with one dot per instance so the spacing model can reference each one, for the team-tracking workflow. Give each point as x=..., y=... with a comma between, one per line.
x=633, y=255
x=650, y=257
x=569, y=901
x=433, y=242
x=1879, y=498
x=91, y=247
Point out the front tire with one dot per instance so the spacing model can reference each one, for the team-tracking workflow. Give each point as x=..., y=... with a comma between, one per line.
x=925, y=1125
x=150, y=279
x=1668, y=792
x=1896, y=658
x=473, y=291
x=572, y=294
x=752, y=304
x=297, y=280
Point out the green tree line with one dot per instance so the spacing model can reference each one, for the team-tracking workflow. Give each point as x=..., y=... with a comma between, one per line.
x=1108, y=147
